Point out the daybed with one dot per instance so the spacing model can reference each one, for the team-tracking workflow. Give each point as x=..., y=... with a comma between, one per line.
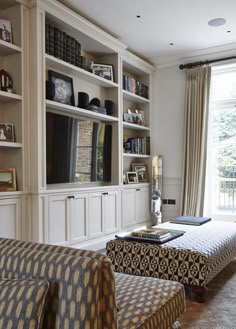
x=83, y=291
x=193, y=259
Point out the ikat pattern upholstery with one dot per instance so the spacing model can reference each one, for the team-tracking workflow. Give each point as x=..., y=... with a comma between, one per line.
x=170, y=302
x=72, y=300
x=146, y=303
x=107, y=300
x=194, y=258
x=22, y=303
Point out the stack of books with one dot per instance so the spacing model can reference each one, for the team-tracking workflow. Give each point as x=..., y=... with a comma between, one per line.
x=152, y=235
x=157, y=234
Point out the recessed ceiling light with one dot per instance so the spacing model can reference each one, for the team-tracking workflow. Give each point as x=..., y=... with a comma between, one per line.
x=217, y=22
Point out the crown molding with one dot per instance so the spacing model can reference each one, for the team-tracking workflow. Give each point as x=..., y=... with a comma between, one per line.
x=138, y=62
x=202, y=54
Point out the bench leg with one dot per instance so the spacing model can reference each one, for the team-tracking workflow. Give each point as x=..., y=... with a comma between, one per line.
x=198, y=294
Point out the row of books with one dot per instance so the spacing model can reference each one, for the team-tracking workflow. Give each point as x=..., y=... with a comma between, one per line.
x=134, y=86
x=61, y=45
x=137, y=145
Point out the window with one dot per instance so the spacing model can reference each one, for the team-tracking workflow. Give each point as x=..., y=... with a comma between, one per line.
x=220, y=196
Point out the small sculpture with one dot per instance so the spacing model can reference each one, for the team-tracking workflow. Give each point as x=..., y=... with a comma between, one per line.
x=6, y=83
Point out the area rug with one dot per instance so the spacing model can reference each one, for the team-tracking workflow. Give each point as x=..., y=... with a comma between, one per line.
x=219, y=310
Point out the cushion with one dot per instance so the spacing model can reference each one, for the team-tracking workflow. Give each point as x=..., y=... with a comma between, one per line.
x=22, y=303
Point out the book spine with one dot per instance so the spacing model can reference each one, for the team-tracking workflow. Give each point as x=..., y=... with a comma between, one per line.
x=47, y=38
x=51, y=40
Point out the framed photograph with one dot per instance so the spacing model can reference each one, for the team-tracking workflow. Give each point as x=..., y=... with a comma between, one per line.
x=7, y=133
x=7, y=179
x=63, y=88
x=132, y=177
x=128, y=117
x=103, y=70
x=141, y=170
x=5, y=30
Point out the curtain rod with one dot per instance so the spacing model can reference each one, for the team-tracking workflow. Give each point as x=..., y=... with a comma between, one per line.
x=201, y=63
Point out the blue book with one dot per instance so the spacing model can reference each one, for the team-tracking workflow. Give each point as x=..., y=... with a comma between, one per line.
x=190, y=220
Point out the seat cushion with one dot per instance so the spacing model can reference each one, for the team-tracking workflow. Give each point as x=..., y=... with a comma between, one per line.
x=148, y=303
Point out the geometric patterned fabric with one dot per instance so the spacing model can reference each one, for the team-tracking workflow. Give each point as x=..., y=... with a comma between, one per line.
x=193, y=259
x=148, y=303
x=22, y=303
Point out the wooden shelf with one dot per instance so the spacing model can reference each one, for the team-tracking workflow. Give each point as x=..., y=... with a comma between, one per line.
x=78, y=112
x=134, y=98
x=11, y=145
x=7, y=48
x=133, y=155
x=6, y=97
x=134, y=126
x=69, y=69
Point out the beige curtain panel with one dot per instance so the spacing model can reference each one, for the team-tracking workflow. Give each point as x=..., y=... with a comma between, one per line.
x=194, y=162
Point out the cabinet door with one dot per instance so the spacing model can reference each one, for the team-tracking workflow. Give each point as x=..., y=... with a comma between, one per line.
x=95, y=214
x=111, y=211
x=58, y=222
x=10, y=218
x=143, y=205
x=129, y=211
x=78, y=214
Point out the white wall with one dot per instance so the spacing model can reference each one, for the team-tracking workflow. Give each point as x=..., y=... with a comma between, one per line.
x=169, y=98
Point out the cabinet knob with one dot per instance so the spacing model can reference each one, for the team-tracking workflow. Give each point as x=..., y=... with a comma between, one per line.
x=137, y=189
x=105, y=193
x=71, y=197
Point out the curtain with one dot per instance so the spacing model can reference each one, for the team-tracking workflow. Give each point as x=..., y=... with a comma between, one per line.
x=194, y=161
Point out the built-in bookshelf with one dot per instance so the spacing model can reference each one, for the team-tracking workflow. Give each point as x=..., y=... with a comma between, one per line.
x=94, y=63
x=137, y=113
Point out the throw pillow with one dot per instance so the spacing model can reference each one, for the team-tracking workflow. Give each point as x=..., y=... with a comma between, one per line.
x=22, y=303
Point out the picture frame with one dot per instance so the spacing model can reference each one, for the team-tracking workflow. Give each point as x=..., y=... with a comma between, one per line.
x=5, y=30
x=63, y=88
x=103, y=70
x=132, y=177
x=141, y=170
x=128, y=117
x=7, y=132
x=7, y=179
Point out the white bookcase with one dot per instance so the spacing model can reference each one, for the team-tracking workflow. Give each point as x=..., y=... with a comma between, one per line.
x=100, y=203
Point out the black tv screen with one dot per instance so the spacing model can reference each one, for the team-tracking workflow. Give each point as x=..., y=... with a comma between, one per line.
x=77, y=151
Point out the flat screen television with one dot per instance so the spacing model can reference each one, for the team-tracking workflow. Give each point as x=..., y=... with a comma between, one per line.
x=77, y=151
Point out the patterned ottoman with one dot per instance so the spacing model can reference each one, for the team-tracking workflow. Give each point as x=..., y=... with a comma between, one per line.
x=193, y=259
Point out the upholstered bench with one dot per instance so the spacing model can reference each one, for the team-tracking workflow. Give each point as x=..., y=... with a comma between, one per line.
x=193, y=259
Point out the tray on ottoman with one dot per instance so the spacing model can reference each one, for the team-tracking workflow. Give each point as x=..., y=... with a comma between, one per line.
x=152, y=237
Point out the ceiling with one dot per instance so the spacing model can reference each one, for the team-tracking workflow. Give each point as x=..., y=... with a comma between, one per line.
x=183, y=23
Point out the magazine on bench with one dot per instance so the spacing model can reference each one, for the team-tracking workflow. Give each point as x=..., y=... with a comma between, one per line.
x=152, y=235
x=190, y=220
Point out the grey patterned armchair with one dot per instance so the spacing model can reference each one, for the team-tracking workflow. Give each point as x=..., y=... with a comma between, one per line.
x=80, y=291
